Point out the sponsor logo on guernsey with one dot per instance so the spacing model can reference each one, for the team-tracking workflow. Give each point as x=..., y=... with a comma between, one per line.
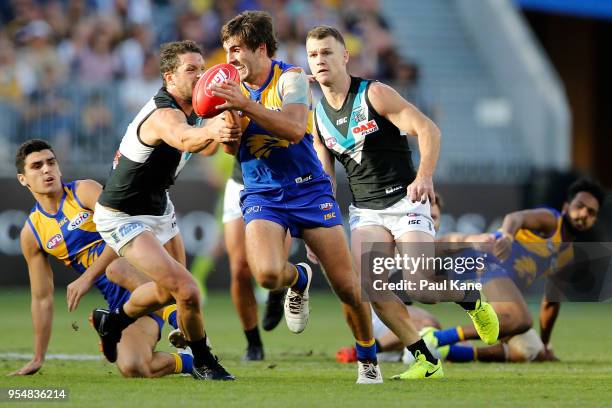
x=303, y=179
x=54, y=241
x=390, y=190
x=62, y=222
x=329, y=216
x=78, y=220
x=326, y=206
x=341, y=121
x=366, y=128
x=412, y=215
x=359, y=115
x=414, y=222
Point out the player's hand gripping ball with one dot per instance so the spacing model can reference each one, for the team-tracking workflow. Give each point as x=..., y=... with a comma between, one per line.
x=203, y=100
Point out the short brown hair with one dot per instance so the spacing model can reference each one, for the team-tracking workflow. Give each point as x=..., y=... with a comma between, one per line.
x=322, y=31
x=169, y=55
x=28, y=147
x=252, y=28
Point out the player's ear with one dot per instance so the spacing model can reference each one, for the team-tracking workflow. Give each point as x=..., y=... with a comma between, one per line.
x=168, y=77
x=346, y=56
x=565, y=208
x=22, y=180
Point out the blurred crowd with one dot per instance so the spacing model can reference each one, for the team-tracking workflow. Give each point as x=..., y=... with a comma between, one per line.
x=76, y=71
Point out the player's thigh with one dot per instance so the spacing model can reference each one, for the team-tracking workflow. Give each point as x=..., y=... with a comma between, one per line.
x=331, y=248
x=414, y=245
x=176, y=249
x=121, y=272
x=265, y=246
x=506, y=298
x=148, y=255
x=364, y=242
x=138, y=340
x=234, y=233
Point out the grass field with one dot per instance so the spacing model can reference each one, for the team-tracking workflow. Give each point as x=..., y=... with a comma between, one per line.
x=300, y=370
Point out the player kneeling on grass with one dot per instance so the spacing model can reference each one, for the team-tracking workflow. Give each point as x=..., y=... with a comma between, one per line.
x=61, y=225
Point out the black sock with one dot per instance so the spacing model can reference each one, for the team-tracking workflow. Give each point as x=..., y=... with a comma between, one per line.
x=201, y=353
x=470, y=299
x=253, y=337
x=123, y=320
x=422, y=347
x=379, y=348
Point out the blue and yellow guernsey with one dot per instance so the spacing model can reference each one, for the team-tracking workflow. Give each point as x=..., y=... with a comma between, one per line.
x=70, y=236
x=534, y=256
x=269, y=162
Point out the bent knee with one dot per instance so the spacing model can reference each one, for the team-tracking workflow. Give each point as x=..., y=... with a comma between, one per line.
x=133, y=369
x=269, y=279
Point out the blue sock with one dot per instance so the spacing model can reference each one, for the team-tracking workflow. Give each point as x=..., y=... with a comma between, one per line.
x=366, y=352
x=187, y=360
x=172, y=320
x=302, y=279
x=448, y=336
x=460, y=354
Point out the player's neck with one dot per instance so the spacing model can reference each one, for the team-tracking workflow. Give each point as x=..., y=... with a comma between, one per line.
x=262, y=77
x=335, y=93
x=50, y=202
x=185, y=106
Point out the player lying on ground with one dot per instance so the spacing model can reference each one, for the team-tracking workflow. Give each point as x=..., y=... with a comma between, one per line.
x=135, y=217
x=360, y=123
x=541, y=237
x=61, y=225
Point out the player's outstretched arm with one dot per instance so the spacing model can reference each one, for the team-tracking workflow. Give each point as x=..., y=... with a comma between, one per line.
x=170, y=125
x=549, y=310
x=290, y=122
x=41, y=286
x=407, y=118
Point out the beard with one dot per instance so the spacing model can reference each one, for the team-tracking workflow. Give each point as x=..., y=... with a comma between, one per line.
x=569, y=226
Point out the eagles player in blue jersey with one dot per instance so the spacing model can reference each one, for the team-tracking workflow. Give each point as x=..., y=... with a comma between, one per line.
x=359, y=123
x=530, y=244
x=60, y=225
x=285, y=185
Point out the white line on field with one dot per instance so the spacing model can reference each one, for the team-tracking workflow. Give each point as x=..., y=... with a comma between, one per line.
x=68, y=357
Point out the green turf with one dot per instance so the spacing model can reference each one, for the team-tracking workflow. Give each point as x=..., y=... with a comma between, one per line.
x=300, y=370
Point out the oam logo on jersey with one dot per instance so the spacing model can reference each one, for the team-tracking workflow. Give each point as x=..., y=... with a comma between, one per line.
x=54, y=241
x=365, y=128
x=262, y=145
x=326, y=206
x=78, y=220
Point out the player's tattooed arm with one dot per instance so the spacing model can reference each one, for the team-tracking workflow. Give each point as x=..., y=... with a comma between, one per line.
x=407, y=118
x=41, y=286
x=290, y=122
x=170, y=125
x=540, y=220
x=326, y=158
